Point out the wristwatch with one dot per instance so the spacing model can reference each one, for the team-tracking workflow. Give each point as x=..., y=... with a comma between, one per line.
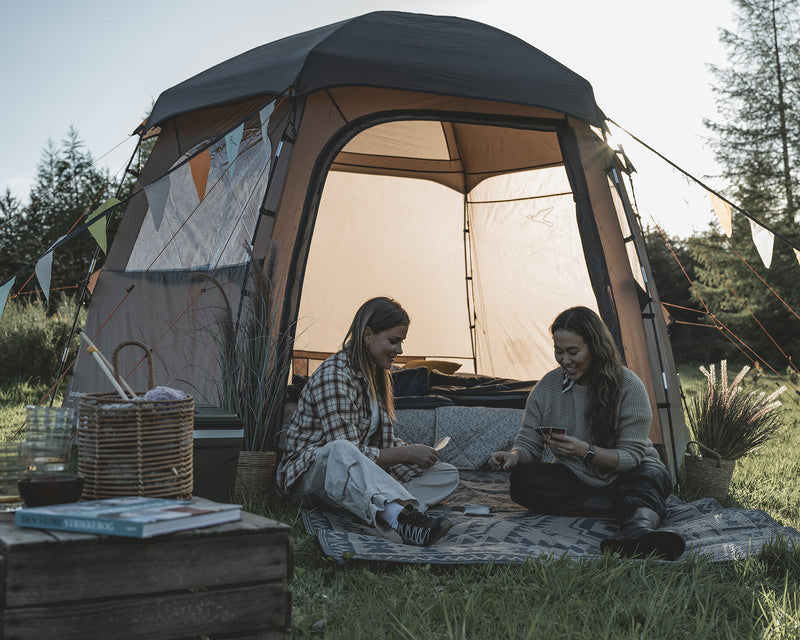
x=589, y=455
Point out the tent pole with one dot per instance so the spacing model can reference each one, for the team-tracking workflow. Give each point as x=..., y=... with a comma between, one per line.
x=629, y=214
x=469, y=283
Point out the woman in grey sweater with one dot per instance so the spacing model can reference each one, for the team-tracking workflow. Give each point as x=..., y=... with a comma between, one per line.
x=584, y=449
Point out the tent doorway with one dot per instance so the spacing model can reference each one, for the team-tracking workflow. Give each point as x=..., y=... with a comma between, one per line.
x=472, y=227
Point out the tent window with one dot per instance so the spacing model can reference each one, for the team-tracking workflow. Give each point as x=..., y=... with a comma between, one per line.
x=217, y=231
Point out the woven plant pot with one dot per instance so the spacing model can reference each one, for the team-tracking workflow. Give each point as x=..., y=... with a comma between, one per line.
x=254, y=474
x=707, y=476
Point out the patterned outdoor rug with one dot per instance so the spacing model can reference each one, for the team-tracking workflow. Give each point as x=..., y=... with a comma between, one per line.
x=510, y=534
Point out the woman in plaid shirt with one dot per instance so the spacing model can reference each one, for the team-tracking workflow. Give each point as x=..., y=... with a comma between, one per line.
x=340, y=449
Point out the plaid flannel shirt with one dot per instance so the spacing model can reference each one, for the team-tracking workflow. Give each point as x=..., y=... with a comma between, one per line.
x=335, y=405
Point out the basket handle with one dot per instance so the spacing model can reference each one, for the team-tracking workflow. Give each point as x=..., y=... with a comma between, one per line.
x=700, y=445
x=148, y=354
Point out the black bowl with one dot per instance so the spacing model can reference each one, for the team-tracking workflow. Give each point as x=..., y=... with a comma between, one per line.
x=39, y=491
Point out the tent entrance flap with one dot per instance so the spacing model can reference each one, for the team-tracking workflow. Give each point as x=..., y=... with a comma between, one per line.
x=402, y=235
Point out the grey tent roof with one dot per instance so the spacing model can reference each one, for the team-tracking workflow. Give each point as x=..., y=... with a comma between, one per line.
x=393, y=50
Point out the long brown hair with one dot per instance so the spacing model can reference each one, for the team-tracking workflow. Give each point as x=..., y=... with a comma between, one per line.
x=377, y=314
x=605, y=371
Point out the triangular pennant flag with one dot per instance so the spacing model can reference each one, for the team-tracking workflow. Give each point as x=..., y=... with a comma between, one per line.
x=232, y=142
x=763, y=239
x=157, y=194
x=264, y=114
x=93, y=278
x=200, y=166
x=4, y=291
x=797, y=255
x=723, y=212
x=98, y=228
x=44, y=270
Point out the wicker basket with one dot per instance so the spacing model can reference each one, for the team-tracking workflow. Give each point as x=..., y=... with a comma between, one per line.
x=254, y=474
x=709, y=476
x=135, y=448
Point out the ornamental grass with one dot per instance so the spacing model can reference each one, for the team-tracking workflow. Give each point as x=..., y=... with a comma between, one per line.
x=733, y=419
x=255, y=359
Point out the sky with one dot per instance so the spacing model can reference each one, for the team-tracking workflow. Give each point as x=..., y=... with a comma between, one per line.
x=98, y=65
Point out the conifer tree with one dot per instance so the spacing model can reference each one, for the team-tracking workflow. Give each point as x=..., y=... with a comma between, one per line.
x=67, y=188
x=756, y=141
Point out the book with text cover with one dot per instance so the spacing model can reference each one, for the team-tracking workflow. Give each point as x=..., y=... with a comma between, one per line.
x=130, y=516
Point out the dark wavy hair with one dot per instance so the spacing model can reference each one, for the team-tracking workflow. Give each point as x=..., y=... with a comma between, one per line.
x=605, y=371
x=379, y=314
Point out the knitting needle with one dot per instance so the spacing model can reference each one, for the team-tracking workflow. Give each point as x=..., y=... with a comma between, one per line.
x=105, y=367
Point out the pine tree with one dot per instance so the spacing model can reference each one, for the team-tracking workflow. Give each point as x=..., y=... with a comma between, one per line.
x=10, y=216
x=757, y=144
x=67, y=188
x=758, y=99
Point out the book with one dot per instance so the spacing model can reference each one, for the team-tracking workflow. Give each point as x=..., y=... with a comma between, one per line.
x=129, y=516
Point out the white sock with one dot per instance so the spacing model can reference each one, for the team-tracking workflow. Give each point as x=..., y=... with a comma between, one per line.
x=390, y=513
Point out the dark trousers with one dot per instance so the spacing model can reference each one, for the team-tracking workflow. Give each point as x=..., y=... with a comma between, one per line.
x=554, y=490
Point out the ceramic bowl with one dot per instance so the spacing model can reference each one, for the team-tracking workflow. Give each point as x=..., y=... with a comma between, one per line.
x=39, y=491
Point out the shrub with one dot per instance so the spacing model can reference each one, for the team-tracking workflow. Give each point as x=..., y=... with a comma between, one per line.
x=32, y=342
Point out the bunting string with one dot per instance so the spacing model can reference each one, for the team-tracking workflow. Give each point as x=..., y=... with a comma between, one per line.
x=717, y=324
x=270, y=164
x=101, y=216
x=711, y=191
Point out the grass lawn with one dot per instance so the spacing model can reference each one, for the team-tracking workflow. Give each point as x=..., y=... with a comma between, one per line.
x=594, y=599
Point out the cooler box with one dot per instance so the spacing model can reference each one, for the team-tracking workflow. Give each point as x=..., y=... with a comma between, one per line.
x=218, y=436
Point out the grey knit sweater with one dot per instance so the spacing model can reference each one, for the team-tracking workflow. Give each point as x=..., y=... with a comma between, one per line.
x=547, y=406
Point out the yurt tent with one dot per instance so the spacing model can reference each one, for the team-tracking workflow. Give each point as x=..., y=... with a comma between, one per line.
x=433, y=159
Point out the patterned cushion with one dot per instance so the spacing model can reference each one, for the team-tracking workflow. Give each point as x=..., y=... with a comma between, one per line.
x=475, y=432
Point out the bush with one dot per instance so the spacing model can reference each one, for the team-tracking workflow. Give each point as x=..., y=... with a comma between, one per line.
x=32, y=343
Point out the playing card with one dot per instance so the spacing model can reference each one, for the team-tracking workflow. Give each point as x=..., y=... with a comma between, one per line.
x=477, y=510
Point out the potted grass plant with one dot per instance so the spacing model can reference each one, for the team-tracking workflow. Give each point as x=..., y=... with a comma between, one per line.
x=727, y=421
x=255, y=358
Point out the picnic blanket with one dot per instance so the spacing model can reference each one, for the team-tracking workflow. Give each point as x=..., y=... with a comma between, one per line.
x=510, y=534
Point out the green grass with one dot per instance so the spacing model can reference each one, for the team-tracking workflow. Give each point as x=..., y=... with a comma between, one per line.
x=595, y=599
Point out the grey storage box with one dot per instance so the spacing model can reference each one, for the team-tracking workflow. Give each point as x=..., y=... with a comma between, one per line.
x=218, y=436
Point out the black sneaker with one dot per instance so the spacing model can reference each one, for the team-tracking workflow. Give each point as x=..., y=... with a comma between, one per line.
x=418, y=529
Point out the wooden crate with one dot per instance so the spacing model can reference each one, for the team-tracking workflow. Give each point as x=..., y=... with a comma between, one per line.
x=225, y=581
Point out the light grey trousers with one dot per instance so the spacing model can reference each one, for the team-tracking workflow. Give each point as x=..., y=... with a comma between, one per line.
x=342, y=476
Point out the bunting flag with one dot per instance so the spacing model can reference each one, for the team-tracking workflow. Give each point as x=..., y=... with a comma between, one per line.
x=797, y=255
x=723, y=212
x=92, y=283
x=200, y=166
x=44, y=271
x=264, y=115
x=98, y=227
x=4, y=291
x=763, y=239
x=157, y=194
x=232, y=142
